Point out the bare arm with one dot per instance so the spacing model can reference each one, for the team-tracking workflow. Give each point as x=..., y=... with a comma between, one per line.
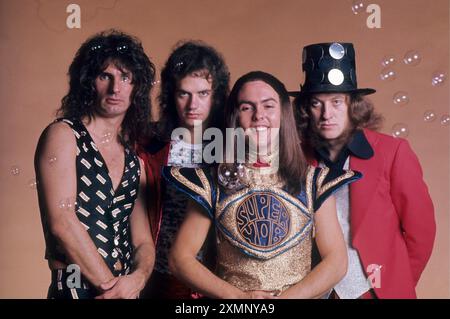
x=144, y=251
x=184, y=265
x=333, y=250
x=57, y=184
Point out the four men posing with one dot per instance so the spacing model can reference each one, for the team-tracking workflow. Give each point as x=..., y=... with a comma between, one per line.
x=110, y=212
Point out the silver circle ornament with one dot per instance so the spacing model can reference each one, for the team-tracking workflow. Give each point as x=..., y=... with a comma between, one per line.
x=335, y=76
x=337, y=51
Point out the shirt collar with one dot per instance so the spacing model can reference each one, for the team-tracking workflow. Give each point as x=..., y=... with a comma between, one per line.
x=357, y=146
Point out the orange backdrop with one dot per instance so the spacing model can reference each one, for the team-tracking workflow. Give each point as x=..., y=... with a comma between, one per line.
x=36, y=48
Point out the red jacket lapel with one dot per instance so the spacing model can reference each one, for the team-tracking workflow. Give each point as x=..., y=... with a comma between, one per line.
x=362, y=192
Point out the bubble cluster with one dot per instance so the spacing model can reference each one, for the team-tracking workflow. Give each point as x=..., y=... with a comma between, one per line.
x=401, y=98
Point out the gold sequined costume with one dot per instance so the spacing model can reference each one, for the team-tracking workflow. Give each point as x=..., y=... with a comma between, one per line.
x=264, y=234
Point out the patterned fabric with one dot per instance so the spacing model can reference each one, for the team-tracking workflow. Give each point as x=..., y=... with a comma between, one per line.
x=264, y=233
x=185, y=154
x=59, y=288
x=174, y=202
x=103, y=211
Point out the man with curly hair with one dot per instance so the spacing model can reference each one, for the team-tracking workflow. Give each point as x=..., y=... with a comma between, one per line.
x=387, y=217
x=90, y=186
x=194, y=87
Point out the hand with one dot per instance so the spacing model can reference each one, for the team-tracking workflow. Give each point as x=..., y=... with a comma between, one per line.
x=258, y=294
x=123, y=287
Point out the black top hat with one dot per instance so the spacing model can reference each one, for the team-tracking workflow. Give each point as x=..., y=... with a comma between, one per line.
x=330, y=67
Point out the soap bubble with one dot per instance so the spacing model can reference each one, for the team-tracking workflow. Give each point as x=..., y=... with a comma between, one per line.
x=445, y=120
x=429, y=116
x=412, y=58
x=15, y=170
x=69, y=204
x=401, y=98
x=387, y=60
x=388, y=75
x=358, y=6
x=438, y=78
x=32, y=183
x=106, y=138
x=400, y=130
x=230, y=175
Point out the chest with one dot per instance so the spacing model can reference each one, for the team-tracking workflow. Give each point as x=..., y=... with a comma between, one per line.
x=114, y=158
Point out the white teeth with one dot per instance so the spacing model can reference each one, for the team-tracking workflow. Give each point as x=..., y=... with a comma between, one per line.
x=261, y=128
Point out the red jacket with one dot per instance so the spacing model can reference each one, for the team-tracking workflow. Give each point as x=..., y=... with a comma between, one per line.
x=155, y=156
x=392, y=215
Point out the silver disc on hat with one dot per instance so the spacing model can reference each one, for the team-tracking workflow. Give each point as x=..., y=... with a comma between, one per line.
x=337, y=51
x=335, y=76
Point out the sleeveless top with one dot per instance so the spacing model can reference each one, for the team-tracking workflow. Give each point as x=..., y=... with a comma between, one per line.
x=103, y=211
x=264, y=234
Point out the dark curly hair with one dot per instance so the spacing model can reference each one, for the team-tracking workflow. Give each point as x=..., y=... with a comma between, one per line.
x=361, y=114
x=188, y=58
x=292, y=162
x=91, y=59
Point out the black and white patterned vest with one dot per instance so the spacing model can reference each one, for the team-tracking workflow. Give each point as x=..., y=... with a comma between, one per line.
x=103, y=211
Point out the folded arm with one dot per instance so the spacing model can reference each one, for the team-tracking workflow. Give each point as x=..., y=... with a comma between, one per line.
x=184, y=264
x=129, y=286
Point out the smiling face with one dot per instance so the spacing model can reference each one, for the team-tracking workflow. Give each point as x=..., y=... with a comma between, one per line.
x=259, y=110
x=114, y=88
x=330, y=115
x=193, y=100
